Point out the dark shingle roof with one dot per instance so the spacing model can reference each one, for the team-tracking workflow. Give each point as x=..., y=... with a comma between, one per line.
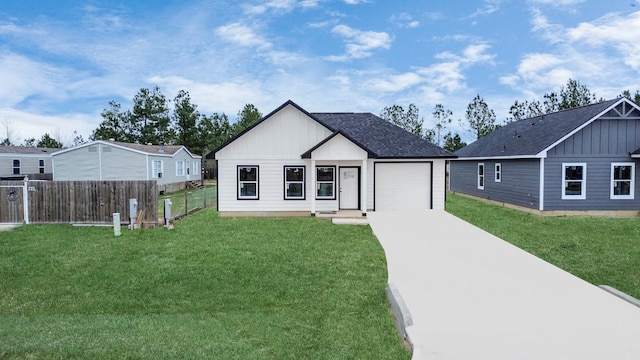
x=380, y=138
x=528, y=137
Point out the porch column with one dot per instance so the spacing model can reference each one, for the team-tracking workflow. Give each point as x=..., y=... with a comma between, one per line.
x=363, y=188
x=313, y=187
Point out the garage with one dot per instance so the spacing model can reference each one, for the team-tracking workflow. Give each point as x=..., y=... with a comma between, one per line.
x=402, y=186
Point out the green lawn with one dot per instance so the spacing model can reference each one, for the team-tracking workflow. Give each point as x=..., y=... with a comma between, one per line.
x=602, y=251
x=214, y=288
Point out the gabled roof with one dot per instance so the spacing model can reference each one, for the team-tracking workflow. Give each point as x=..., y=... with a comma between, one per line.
x=25, y=150
x=533, y=137
x=158, y=150
x=379, y=138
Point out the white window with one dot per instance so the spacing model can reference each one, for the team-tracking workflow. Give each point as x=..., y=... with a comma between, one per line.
x=16, y=167
x=248, y=179
x=180, y=168
x=498, y=172
x=294, y=182
x=622, y=180
x=481, y=176
x=157, y=169
x=574, y=181
x=326, y=182
x=41, y=166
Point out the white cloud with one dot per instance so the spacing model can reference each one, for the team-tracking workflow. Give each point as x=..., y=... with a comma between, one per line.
x=557, y=2
x=279, y=6
x=356, y=2
x=612, y=30
x=598, y=53
x=242, y=35
x=404, y=20
x=490, y=6
x=360, y=44
x=60, y=126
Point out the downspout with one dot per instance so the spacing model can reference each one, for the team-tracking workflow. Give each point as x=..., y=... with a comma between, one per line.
x=313, y=186
x=541, y=191
x=363, y=191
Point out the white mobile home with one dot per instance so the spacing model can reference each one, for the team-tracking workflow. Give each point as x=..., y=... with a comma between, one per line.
x=170, y=165
x=20, y=161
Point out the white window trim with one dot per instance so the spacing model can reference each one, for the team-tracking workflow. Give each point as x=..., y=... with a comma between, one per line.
x=154, y=169
x=481, y=178
x=286, y=183
x=255, y=168
x=318, y=182
x=633, y=180
x=14, y=167
x=498, y=172
x=582, y=196
x=42, y=168
x=180, y=168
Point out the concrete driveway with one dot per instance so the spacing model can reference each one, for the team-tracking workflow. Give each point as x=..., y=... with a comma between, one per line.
x=472, y=295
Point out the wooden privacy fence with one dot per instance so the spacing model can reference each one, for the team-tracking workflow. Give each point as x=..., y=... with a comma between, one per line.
x=84, y=202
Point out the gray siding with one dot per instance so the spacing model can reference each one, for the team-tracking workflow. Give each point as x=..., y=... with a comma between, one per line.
x=82, y=163
x=29, y=164
x=121, y=164
x=601, y=143
x=519, y=183
x=598, y=184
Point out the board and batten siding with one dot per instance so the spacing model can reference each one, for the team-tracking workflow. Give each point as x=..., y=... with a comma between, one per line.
x=599, y=144
x=287, y=134
x=280, y=140
x=519, y=183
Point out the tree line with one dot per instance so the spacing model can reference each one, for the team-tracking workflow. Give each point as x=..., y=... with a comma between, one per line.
x=481, y=120
x=154, y=120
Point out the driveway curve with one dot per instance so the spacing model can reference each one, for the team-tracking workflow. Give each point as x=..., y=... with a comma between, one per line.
x=472, y=295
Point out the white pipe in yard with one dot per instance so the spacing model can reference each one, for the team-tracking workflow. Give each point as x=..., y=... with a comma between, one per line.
x=116, y=224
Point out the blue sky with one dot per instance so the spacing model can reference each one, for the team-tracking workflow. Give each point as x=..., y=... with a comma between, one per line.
x=61, y=62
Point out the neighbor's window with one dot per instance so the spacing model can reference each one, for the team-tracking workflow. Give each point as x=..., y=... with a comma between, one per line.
x=294, y=182
x=248, y=182
x=481, y=176
x=157, y=169
x=498, y=172
x=622, y=180
x=180, y=168
x=574, y=181
x=41, y=166
x=326, y=182
x=16, y=167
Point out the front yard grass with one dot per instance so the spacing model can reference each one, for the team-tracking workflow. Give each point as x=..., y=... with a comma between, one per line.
x=602, y=251
x=214, y=288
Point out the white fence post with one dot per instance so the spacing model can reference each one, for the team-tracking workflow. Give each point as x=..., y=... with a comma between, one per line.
x=25, y=199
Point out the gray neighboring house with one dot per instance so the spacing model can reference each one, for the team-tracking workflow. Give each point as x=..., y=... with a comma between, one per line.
x=20, y=161
x=577, y=160
x=172, y=166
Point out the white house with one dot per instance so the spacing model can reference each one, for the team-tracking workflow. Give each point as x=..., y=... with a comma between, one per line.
x=292, y=161
x=20, y=161
x=170, y=165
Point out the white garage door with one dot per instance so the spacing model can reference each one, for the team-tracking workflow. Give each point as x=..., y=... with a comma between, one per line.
x=402, y=186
